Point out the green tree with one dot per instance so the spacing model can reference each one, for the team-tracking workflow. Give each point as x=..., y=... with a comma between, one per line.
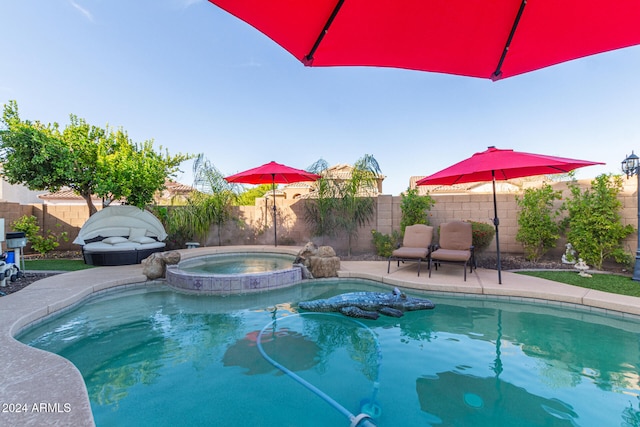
x=248, y=197
x=87, y=159
x=82, y=143
x=594, y=221
x=539, y=228
x=414, y=208
x=32, y=153
x=130, y=171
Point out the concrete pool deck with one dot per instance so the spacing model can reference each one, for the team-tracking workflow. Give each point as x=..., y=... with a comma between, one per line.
x=43, y=389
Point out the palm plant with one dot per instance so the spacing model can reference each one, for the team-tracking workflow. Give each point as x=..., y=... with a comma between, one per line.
x=209, y=204
x=355, y=206
x=219, y=195
x=343, y=205
x=319, y=212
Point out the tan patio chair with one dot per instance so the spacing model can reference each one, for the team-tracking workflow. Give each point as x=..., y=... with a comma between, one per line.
x=416, y=245
x=455, y=246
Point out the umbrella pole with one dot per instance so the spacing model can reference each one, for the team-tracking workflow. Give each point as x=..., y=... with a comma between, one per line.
x=496, y=222
x=275, y=224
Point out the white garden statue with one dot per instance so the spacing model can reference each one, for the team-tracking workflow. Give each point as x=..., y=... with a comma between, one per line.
x=569, y=256
x=582, y=267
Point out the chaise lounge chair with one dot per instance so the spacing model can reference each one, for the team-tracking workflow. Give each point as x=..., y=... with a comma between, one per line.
x=455, y=246
x=415, y=245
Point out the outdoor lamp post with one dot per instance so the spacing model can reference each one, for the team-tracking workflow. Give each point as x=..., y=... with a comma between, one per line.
x=630, y=167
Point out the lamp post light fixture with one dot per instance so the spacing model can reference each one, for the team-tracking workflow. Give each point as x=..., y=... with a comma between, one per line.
x=631, y=166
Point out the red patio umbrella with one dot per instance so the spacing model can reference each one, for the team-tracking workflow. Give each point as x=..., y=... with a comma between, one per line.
x=488, y=39
x=274, y=173
x=496, y=164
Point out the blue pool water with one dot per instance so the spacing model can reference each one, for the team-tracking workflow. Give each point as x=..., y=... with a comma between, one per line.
x=237, y=264
x=154, y=357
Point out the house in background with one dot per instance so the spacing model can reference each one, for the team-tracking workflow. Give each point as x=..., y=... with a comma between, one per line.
x=67, y=197
x=294, y=190
x=343, y=172
x=17, y=193
x=338, y=173
x=173, y=193
x=502, y=187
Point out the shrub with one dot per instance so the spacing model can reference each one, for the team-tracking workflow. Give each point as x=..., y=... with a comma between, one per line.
x=539, y=230
x=384, y=243
x=39, y=243
x=414, y=208
x=482, y=235
x=594, y=221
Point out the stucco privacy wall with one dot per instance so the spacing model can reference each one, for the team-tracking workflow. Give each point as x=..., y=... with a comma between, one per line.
x=57, y=218
x=254, y=224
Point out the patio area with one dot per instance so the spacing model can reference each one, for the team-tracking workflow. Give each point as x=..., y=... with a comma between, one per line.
x=41, y=388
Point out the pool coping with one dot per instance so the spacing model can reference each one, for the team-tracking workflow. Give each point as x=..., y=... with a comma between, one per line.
x=44, y=389
x=227, y=284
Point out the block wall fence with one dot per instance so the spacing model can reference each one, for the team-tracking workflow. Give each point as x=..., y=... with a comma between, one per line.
x=254, y=224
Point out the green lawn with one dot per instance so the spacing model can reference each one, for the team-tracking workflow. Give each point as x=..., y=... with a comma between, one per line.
x=55, y=264
x=611, y=283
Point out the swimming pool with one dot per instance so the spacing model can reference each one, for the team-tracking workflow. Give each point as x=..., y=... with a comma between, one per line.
x=156, y=357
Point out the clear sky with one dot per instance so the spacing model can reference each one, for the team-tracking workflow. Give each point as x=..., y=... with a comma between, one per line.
x=197, y=80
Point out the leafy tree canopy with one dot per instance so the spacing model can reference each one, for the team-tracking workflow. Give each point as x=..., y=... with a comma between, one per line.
x=248, y=196
x=86, y=158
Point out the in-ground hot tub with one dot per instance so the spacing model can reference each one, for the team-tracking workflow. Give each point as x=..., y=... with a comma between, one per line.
x=234, y=273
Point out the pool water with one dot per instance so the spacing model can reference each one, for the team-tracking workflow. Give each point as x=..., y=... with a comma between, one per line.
x=237, y=264
x=161, y=358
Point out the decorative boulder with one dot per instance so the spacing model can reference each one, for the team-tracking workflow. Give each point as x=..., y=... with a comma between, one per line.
x=319, y=261
x=326, y=252
x=154, y=266
x=309, y=250
x=325, y=267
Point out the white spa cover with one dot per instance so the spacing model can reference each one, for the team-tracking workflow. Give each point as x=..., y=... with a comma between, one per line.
x=123, y=219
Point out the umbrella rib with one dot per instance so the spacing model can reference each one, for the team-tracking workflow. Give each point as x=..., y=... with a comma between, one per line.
x=308, y=59
x=561, y=169
x=498, y=72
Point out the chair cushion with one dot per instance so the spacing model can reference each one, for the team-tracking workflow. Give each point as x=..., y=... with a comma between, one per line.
x=417, y=236
x=142, y=239
x=137, y=232
x=108, y=247
x=414, y=253
x=115, y=240
x=456, y=235
x=451, y=255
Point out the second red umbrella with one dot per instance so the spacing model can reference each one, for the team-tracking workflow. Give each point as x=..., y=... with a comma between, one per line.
x=274, y=173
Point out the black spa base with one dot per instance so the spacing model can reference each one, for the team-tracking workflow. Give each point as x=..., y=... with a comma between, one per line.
x=113, y=258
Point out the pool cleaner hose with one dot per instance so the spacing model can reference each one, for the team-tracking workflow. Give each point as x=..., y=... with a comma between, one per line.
x=361, y=420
